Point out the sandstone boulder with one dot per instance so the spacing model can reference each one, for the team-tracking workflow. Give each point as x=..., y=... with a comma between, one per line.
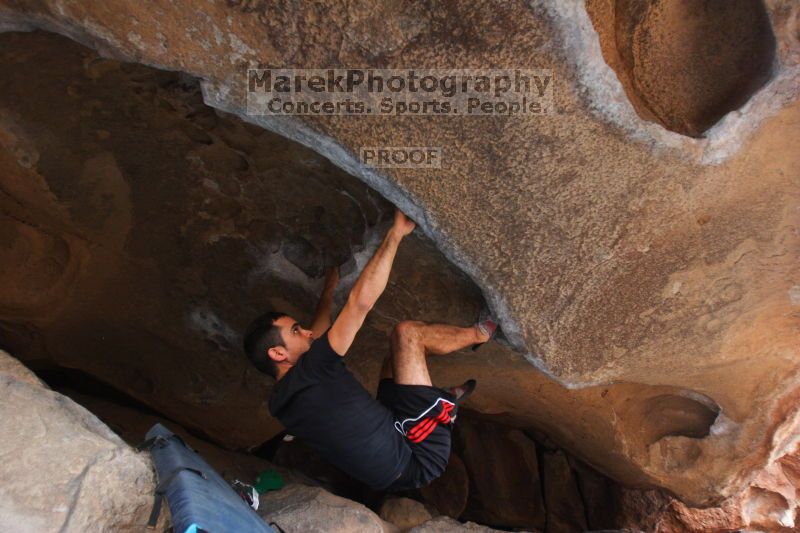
x=12, y=368
x=405, y=513
x=504, y=483
x=449, y=492
x=598, y=495
x=770, y=503
x=445, y=524
x=300, y=508
x=64, y=470
x=565, y=512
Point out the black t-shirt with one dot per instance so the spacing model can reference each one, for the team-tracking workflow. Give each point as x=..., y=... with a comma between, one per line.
x=322, y=403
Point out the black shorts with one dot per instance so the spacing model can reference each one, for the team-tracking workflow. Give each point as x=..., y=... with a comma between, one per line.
x=422, y=415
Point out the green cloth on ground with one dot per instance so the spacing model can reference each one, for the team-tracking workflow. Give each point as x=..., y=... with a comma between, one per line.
x=268, y=480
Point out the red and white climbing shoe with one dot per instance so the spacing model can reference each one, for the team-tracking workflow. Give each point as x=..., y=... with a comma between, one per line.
x=461, y=393
x=486, y=325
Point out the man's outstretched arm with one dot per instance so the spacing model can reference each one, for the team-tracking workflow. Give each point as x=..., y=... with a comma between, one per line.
x=369, y=287
x=322, y=316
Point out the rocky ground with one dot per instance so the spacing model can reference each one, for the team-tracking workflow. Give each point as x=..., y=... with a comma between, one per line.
x=70, y=472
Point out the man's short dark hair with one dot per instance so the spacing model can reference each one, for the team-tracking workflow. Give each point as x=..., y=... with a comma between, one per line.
x=261, y=335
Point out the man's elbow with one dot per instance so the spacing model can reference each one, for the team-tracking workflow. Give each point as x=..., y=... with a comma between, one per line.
x=360, y=302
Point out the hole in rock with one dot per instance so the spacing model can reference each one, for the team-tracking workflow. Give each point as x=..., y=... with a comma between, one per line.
x=649, y=414
x=673, y=415
x=765, y=507
x=686, y=63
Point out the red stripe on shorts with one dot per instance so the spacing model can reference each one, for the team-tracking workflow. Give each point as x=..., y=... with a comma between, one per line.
x=421, y=431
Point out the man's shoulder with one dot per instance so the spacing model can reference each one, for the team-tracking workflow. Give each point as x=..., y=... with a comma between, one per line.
x=297, y=379
x=322, y=342
x=320, y=356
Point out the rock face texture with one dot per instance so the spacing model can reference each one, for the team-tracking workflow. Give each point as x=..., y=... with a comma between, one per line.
x=64, y=470
x=443, y=524
x=405, y=513
x=299, y=508
x=769, y=504
x=449, y=493
x=648, y=280
x=564, y=509
x=504, y=491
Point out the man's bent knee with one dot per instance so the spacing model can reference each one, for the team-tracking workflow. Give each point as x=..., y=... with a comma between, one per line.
x=407, y=330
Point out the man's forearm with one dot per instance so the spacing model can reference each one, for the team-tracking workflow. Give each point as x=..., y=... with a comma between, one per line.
x=322, y=315
x=369, y=286
x=373, y=278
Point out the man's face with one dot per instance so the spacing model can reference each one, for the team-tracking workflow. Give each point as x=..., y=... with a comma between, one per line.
x=296, y=339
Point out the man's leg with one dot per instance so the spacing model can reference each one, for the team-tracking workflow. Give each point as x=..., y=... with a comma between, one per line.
x=412, y=340
x=386, y=369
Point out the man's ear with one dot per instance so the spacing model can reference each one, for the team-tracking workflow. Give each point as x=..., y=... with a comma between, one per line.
x=277, y=353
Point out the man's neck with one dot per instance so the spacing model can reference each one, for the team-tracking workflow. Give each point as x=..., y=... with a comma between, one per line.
x=282, y=370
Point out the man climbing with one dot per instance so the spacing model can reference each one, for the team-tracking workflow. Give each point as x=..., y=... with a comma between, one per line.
x=398, y=442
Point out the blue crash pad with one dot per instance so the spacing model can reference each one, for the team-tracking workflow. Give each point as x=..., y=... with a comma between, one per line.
x=198, y=502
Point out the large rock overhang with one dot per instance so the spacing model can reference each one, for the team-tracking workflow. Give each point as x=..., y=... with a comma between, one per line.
x=656, y=273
